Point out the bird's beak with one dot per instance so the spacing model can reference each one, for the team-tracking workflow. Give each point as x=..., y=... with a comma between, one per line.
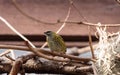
x=45, y=33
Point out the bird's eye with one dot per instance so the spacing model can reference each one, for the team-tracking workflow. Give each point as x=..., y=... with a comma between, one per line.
x=48, y=33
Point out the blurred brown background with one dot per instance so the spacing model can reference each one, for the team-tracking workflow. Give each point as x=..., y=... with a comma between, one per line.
x=104, y=11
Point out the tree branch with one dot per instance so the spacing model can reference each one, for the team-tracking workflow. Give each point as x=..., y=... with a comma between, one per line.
x=39, y=65
x=61, y=55
x=23, y=48
x=16, y=67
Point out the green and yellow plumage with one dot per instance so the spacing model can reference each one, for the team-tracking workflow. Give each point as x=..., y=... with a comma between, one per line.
x=55, y=42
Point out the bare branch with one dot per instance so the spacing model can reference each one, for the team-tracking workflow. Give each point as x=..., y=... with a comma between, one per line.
x=96, y=25
x=80, y=14
x=45, y=52
x=17, y=6
x=16, y=67
x=15, y=31
x=118, y=1
x=86, y=49
x=64, y=23
x=35, y=64
x=62, y=26
x=60, y=60
x=90, y=43
x=7, y=56
x=43, y=55
x=4, y=53
x=71, y=2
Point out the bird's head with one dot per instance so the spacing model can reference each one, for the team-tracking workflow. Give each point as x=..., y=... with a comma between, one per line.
x=50, y=33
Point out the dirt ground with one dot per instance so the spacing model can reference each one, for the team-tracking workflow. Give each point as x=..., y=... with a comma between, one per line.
x=104, y=11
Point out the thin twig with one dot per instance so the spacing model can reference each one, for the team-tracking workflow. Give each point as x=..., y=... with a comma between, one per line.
x=17, y=6
x=62, y=26
x=118, y=1
x=86, y=49
x=80, y=14
x=71, y=2
x=90, y=43
x=10, y=58
x=102, y=25
x=12, y=54
x=90, y=39
x=4, y=53
x=15, y=31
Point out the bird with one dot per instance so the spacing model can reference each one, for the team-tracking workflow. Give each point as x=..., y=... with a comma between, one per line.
x=55, y=42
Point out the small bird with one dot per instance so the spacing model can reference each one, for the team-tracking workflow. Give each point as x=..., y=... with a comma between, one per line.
x=55, y=42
